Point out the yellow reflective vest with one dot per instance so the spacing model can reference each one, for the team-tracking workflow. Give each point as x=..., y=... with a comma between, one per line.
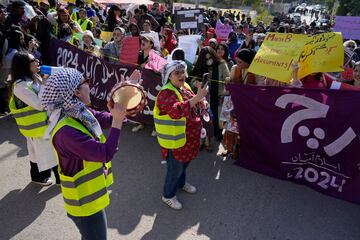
x=86, y=192
x=84, y=24
x=171, y=133
x=31, y=122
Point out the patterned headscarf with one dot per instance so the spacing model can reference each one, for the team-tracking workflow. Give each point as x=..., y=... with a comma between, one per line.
x=173, y=66
x=58, y=99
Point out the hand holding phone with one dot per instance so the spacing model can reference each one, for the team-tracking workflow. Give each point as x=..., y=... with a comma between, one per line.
x=205, y=79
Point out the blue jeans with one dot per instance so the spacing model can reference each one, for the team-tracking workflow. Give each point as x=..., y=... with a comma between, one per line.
x=93, y=227
x=175, y=176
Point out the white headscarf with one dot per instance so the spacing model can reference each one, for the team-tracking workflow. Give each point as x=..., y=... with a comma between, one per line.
x=173, y=66
x=58, y=99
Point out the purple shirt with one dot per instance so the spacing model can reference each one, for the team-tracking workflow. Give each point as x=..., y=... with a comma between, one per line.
x=73, y=146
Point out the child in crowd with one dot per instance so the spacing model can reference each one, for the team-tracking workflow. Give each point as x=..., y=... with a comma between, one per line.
x=231, y=136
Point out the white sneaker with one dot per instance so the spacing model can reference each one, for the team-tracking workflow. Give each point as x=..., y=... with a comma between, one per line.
x=45, y=182
x=137, y=128
x=154, y=134
x=172, y=202
x=189, y=188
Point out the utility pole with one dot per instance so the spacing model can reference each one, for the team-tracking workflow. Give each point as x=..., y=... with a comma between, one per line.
x=197, y=3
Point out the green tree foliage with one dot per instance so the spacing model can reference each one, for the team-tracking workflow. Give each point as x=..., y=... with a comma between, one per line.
x=345, y=8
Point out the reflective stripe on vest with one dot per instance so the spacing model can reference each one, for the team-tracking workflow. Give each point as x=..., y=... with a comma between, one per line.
x=171, y=133
x=84, y=24
x=31, y=122
x=85, y=193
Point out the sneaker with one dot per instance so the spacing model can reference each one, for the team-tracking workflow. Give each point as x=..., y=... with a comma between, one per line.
x=172, y=202
x=45, y=182
x=154, y=134
x=137, y=128
x=189, y=188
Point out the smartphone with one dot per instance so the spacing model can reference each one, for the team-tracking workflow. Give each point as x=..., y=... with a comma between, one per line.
x=205, y=79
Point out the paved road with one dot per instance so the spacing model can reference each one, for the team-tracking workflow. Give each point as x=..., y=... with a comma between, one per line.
x=232, y=203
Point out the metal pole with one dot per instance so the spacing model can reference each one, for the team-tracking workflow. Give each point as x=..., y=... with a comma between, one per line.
x=197, y=3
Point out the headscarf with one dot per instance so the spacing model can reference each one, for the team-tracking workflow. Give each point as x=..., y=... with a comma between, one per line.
x=173, y=66
x=58, y=99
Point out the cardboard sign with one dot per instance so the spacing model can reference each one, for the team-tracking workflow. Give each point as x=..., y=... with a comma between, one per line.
x=189, y=45
x=130, y=50
x=318, y=53
x=222, y=31
x=349, y=27
x=106, y=36
x=190, y=18
x=155, y=62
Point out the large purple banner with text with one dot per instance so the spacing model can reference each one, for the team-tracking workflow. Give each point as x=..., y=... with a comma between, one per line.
x=104, y=76
x=307, y=136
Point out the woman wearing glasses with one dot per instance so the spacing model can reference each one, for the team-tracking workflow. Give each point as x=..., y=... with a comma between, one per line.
x=30, y=116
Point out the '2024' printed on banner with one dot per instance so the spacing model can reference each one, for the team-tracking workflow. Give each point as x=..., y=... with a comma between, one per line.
x=67, y=58
x=321, y=178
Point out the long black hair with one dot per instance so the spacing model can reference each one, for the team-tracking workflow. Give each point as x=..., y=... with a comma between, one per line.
x=200, y=66
x=131, y=25
x=20, y=67
x=226, y=50
x=111, y=18
x=15, y=42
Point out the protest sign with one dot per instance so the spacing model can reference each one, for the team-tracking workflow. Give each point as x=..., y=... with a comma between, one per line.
x=276, y=54
x=154, y=36
x=130, y=50
x=190, y=18
x=322, y=53
x=155, y=62
x=188, y=43
x=222, y=31
x=79, y=35
x=349, y=26
x=319, y=53
x=297, y=135
x=104, y=75
x=106, y=36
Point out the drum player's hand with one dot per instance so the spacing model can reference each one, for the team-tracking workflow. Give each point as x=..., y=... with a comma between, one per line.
x=135, y=77
x=118, y=112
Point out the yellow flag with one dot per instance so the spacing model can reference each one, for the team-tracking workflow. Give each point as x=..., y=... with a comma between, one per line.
x=106, y=36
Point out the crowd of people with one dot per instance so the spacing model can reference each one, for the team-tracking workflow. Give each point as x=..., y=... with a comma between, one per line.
x=189, y=115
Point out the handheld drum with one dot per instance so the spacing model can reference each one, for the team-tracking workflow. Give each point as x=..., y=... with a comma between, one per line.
x=132, y=96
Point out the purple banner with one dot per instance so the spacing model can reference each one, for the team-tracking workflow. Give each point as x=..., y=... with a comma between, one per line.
x=104, y=75
x=307, y=136
x=349, y=26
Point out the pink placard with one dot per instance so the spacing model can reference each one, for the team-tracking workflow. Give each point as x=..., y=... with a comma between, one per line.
x=155, y=62
x=130, y=50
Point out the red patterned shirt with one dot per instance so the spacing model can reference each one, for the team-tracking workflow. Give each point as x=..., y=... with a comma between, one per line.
x=168, y=103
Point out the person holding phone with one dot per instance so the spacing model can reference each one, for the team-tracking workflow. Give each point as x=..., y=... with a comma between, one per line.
x=178, y=126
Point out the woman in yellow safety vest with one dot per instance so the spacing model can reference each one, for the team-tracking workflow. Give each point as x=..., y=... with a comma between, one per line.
x=30, y=117
x=60, y=17
x=84, y=22
x=83, y=153
x=178, y=128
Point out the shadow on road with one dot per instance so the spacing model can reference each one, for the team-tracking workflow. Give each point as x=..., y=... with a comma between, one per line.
x=20, y=208
x=136, y=194
x=13, y=136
